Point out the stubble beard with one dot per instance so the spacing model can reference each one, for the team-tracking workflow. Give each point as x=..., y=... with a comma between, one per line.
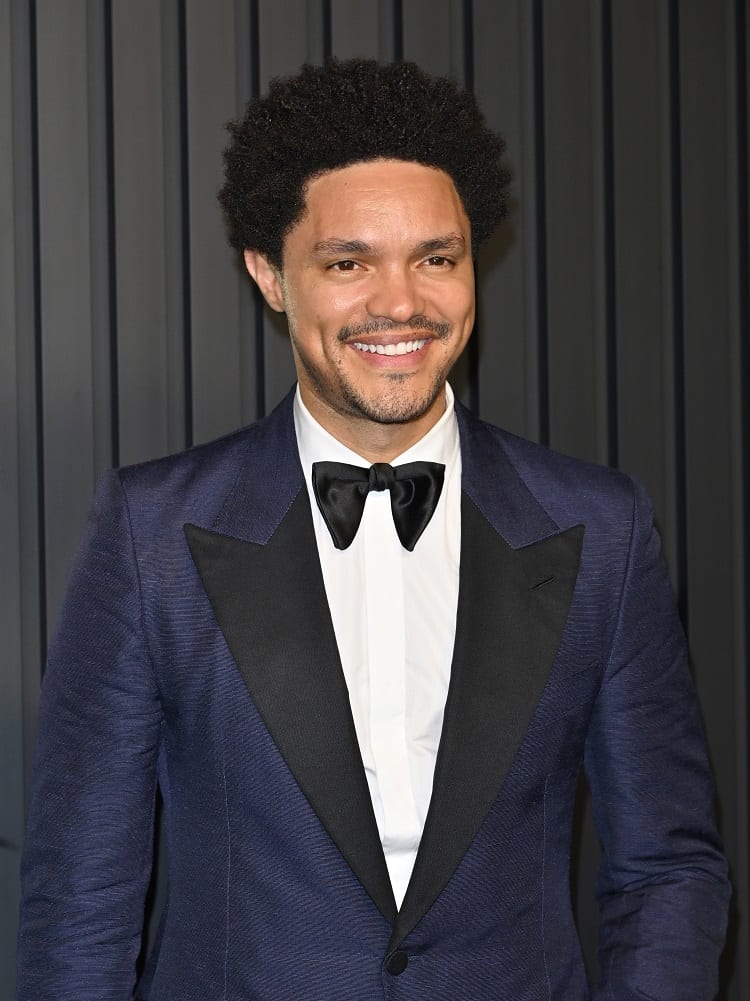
x=397, y=408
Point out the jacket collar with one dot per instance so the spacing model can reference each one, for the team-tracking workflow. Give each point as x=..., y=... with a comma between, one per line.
x=257, y=504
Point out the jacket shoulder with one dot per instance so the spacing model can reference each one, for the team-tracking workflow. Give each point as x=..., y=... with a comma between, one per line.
x=557, y=479
x=194, y=484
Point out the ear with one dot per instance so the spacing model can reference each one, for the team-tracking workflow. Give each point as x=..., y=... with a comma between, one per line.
x=266, y=277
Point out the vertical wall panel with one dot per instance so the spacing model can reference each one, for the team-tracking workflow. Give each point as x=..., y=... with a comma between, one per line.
x=250, y=301
x=216, y=282
x=11, y=680
x=645, y=348
x=151, y=405
x=30, y=526
x=357, y=29
x=283, y=52
x=575, y=263
x=21, y=609
x=103, y=393
x=433, y=35
x=30, y=523
x=66, y=282
x=708, y=200
x=507, y=273
x=738, y=44
x=713, y=479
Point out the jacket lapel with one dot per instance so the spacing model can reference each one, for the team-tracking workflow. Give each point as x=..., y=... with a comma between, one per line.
x=517, y=575
x=259, y=566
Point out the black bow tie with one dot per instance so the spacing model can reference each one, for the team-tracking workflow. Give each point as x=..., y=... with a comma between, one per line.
x=341, y=491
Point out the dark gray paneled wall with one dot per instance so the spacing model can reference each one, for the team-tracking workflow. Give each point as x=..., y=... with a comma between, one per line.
x=614, y=315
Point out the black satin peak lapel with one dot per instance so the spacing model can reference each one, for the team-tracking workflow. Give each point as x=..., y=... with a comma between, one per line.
x=270, y=603
x=512, y=609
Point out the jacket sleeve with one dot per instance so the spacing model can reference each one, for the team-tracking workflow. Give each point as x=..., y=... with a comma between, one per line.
x=662, y=885
x=87, y=856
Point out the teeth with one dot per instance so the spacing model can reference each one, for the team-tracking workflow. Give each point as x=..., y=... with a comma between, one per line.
x=402, y=348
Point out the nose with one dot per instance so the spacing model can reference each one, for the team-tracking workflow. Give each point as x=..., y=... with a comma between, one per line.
x=394, y=295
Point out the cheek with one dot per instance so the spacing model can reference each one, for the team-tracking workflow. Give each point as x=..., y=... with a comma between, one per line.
x=468, y=304
x=343, y=303
x=453, y=297
x=329, y=307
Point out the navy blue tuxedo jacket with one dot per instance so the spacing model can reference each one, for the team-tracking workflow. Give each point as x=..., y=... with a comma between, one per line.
x=196, y=651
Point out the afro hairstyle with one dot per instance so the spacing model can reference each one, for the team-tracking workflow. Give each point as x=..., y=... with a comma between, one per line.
x=346, y=112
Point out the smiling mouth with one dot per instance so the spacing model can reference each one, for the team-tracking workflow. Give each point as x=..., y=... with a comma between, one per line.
x=401, y=348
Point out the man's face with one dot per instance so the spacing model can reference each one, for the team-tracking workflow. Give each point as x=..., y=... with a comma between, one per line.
x=378, y=288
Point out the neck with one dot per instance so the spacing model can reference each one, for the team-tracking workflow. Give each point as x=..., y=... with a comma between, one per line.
x=373, y=440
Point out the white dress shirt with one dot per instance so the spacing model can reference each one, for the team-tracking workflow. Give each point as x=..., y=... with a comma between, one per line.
x=394, y=616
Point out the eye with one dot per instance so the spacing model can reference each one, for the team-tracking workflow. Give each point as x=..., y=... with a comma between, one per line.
x=437, y=261
x=343, y=266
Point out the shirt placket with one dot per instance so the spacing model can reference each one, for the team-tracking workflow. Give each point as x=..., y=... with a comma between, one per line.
x=386, y=649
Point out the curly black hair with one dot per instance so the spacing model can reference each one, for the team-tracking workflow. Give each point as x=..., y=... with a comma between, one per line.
x=331, y=116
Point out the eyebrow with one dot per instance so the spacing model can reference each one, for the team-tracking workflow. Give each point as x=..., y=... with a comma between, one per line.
x=334, y=248
x=453, y=242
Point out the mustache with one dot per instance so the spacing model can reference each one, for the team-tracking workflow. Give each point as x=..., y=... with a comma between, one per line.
x=439, y=328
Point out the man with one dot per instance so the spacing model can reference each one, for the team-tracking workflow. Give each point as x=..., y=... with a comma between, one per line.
x=365, y=645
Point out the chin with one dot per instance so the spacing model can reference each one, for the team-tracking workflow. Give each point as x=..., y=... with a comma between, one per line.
x=393, y=409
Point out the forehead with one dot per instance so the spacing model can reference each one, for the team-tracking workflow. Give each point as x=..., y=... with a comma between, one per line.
x=382, y=197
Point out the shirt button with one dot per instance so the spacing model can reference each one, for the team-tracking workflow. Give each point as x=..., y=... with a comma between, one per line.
x=397, y=963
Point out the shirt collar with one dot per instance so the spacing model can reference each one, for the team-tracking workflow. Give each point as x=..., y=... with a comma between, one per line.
x=315, y=444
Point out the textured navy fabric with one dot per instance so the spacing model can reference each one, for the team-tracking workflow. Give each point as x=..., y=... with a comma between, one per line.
x=141, y=688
